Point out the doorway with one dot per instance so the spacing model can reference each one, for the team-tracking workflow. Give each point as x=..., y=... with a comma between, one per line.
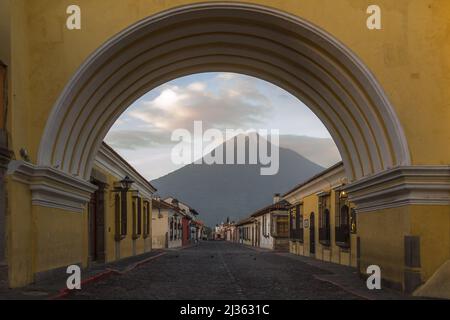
x=97, y=224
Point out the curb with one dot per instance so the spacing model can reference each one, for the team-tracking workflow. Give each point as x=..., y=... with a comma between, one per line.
x=109, y=272
x=345, y=288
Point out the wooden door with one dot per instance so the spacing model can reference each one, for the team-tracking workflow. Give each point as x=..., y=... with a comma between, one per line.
x=97, y=226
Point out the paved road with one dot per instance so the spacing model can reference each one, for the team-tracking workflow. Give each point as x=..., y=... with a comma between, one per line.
x=218, y=270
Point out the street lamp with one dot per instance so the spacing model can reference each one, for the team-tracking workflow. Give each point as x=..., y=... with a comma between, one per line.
x=126, y=183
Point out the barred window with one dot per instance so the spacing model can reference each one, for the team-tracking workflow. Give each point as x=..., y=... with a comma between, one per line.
x=324, y=221
x=342, y=220
x=147, y=218
x=123, y=214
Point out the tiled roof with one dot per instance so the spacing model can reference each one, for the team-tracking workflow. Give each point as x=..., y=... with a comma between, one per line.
x=281, y=205
x=244, y=221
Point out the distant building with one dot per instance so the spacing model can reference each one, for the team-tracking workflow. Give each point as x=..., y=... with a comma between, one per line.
x=226, y=231
x=272, y=225
x=166, y=222
x=190, y=225
x=246, y=231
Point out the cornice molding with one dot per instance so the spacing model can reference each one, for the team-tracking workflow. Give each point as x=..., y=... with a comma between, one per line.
x=322, y=183
x=401, y=186
x=51, y=187
x=109, y=161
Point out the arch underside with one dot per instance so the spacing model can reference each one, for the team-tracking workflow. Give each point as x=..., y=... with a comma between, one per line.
x=251, y=40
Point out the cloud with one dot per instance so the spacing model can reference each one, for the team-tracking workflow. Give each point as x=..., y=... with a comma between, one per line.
x=226, y=101
x=136, y=139
x=142, y=135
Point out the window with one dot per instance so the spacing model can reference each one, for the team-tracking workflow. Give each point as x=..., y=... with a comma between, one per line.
x=353, y=221
x=324, y=220
x=120, y=213
x=147, y=219
x=300, y=222
x=342, y=220
x=265, y=226
x=137, y=215
x=282, y=227
x=293, y=223
x=117, y=216
x=296, y=222
x=123, y=214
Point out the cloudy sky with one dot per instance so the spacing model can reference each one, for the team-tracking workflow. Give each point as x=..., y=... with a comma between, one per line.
x=143, y=133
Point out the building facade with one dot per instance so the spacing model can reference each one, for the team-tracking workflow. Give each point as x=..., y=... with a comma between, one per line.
x=188, y=220
x=246, y=231
x=271, y=225
x=166, y=225
x=226, y=231
x=120, y=211
x=322, y=220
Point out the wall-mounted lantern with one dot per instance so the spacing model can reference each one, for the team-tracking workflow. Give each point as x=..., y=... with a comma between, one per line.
x=126, y=183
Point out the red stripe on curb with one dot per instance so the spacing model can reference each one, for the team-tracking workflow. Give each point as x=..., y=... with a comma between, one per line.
x=65, y=291
x=138, y=264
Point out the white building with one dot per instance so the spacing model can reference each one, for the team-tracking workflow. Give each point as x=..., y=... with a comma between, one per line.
x=272, y=225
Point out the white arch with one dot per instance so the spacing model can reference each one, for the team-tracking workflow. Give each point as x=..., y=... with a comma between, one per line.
x=242, y=38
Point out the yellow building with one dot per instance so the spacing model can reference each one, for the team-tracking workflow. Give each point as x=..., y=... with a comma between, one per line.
x=119, y=216
x=381, y=92
x=322, y=220
x=167, y=225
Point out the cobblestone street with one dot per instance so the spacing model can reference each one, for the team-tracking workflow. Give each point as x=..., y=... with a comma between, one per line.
x=220, y=270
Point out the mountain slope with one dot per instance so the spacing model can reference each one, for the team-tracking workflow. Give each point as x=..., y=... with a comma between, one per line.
x=322, y=151
x=235, y=191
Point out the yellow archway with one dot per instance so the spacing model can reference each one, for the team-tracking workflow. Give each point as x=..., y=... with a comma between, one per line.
x=243, y=38
x=401, y=190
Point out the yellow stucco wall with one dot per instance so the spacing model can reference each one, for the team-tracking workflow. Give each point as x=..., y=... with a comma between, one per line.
x=410, y=54
x=160, y=227
x=60, y=238
x=431, y=223
x=386, y=251
x=39, y=238
x=19, y=233
x=332, y=253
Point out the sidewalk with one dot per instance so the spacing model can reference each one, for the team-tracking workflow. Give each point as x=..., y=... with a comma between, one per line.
x=55, y=287
x=347, y=278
